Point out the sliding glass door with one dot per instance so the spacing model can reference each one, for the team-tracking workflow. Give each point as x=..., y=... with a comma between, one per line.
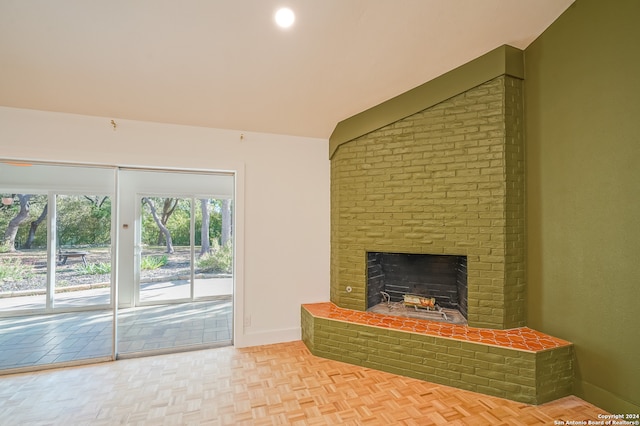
x=56, y=284
x=84, y=248
x=183, y=260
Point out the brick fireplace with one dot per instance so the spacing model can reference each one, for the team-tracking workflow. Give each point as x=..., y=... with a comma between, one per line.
x=441, y=178
x=448, y=180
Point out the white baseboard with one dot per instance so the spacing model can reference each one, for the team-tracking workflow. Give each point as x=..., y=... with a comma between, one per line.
x=248, y=338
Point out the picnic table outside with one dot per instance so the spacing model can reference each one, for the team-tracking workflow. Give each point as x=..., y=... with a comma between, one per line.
x=64, y=255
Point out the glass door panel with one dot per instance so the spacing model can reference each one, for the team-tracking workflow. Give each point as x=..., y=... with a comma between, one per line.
x=83, y=251
x=185, y=276
x=23, y=252
x=165, y=250
x=214, y=249
x=47, y=312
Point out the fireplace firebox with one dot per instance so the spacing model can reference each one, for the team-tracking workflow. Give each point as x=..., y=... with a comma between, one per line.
x=418, y=285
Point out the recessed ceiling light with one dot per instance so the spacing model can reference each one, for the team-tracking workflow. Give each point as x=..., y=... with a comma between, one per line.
x=285, y=17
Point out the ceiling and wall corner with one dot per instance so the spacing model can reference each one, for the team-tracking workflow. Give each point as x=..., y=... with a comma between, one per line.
x=226, y=65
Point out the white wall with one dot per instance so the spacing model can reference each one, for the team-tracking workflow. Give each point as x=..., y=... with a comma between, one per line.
x=283, y=182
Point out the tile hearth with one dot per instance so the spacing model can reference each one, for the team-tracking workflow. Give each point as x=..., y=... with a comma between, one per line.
x=522, y=338
x=520, y=364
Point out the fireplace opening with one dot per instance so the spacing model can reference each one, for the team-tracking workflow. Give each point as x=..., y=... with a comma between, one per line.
x=426, y=286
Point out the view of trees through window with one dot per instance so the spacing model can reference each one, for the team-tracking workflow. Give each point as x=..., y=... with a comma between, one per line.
x=82, y=247
x=23, y=249
x=83, y=237
x=82, y=221
x=168, y=226
x=168, y=222
x=20, y=217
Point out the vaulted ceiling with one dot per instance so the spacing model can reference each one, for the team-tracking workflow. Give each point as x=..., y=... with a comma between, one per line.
x=225, y=64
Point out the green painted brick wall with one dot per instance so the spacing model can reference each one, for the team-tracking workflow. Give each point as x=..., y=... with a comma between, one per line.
x=447, y=180
x=515, y=288
x=533, y=378
x=307, y=324
x=554, y=373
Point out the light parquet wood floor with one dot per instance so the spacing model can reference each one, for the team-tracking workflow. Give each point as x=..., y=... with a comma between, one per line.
x=280, y=384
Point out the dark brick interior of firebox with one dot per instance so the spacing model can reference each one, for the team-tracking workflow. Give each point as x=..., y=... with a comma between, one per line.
x=441, y=276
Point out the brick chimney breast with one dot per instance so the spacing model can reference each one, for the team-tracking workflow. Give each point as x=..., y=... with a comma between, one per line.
x=446, y=180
